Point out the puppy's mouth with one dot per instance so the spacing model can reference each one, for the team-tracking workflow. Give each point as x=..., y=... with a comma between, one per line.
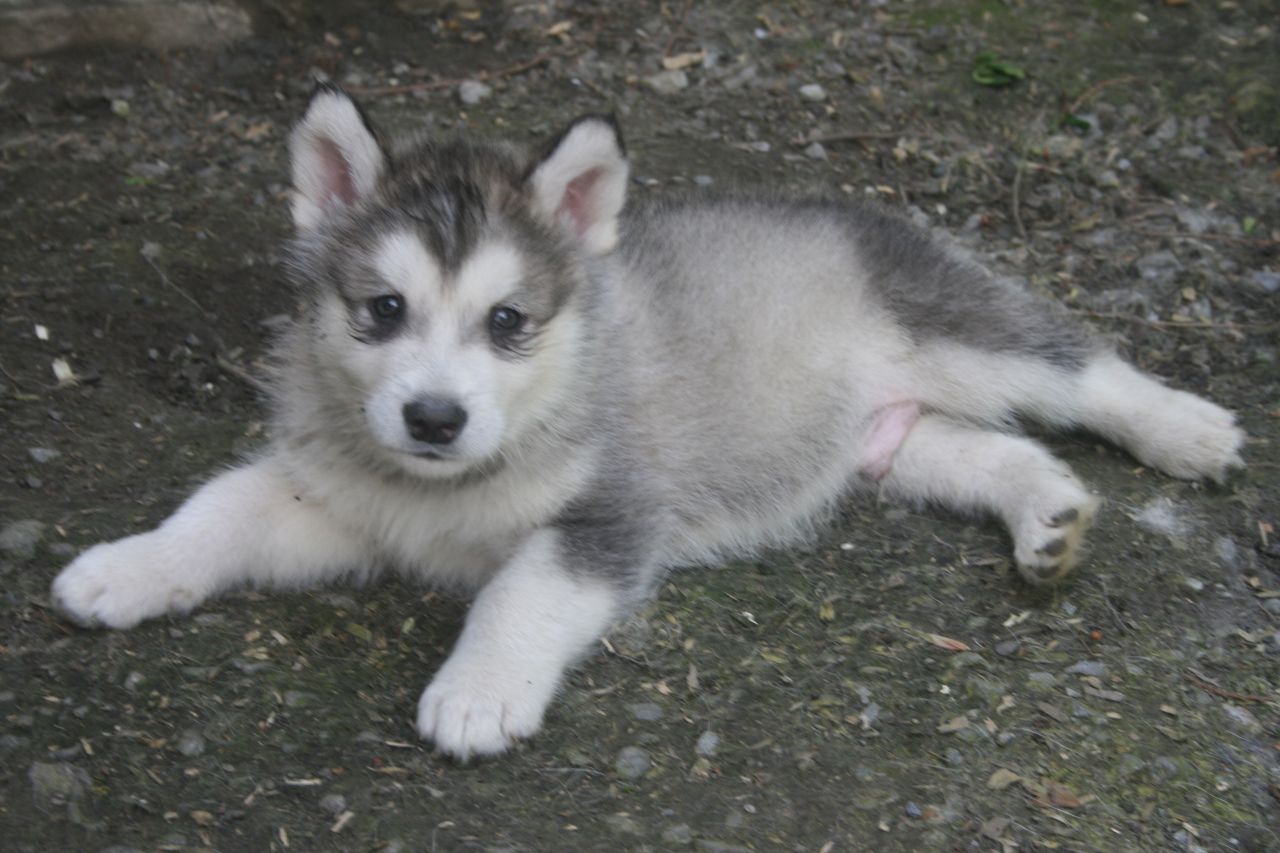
x=427, y=454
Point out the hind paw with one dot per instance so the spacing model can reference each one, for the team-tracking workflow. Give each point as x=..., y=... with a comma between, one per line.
x=1048, y=538
x=1190, y=438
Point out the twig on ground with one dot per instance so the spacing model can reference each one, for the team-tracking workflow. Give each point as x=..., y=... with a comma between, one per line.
x=1219, y=238
x=1225, y=694
x=240, y=373
x=1015, y=201
x=187, y=296
x=677, y=28
x=1173, y=324
x=856, y=137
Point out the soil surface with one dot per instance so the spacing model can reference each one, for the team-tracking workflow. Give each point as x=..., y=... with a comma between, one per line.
x=893, y=686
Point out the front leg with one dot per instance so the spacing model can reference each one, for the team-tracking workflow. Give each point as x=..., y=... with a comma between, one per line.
x=247, y=524
x=525, y=628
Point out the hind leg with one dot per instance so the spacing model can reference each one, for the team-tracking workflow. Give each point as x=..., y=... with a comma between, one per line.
x=971, y=469
x=1173, y=431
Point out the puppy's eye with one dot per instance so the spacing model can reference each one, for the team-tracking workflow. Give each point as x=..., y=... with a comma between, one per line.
x=505, y=320
x=386, y=308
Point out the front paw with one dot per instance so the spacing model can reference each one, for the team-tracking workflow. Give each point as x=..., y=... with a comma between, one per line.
x=119, y=584
x=472, y=709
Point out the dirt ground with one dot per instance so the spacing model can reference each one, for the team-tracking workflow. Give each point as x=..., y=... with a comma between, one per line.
x=893, y=686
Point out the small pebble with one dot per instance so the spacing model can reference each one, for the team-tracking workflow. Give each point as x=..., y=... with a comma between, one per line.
x=632, y=763
x=678, y=834
x=472, y=92
x=815, y=151
x=703, y=180
x=43, y=454
x=57, y=782
x=813, y=92
x=334, y=804
x=646, y=711
x=19, y=538
x=1266, y=279
x=667, y=82
x=1008, y=648
x=1088, y=667
x=912, y=810
x=1042, y=680
x=709, y=741
x=191, y=743
x=623, y=823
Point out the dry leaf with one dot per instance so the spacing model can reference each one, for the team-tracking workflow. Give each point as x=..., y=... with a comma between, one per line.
x=947, y=643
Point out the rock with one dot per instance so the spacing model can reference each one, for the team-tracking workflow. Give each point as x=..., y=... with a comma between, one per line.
x=334, y=804
x=1041, y=681
x=624, y=824
x=1266, y=279
x=1008, y=648
x=18, y=539
x=1272, y=606
x=1088, y=667
x=1242, y=718
x=813, y=92
x=646, y=711
x=1224, y=547
x=815, y=151
x=191, y=743
x=43, y=454
x=1193, y=584
x=667, y=82
x=632, y=763
x=472, y=92
x=709, y=741
x=1159, y=267
x=678, y=834
x=63, y=550
x=703, y=180
x=54, y=783
x=1107, y=179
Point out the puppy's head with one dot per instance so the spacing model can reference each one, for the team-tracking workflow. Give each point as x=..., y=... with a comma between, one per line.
x=446, y=280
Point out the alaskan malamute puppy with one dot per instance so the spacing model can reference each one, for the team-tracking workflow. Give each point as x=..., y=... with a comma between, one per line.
x=502, y=381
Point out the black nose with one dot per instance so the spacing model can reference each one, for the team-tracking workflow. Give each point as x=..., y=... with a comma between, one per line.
x=434, y=420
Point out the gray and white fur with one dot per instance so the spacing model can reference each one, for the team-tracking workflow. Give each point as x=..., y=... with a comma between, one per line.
x=504, y=383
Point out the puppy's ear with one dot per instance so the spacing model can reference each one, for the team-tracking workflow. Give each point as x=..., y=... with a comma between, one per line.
x=580, y=183
x=335, y=157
